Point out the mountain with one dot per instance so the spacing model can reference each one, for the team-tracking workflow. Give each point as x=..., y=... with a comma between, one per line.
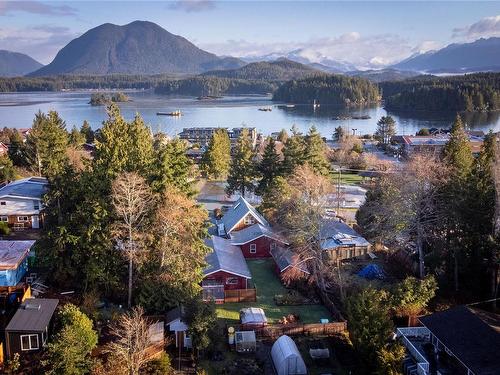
x=481, y=55
x=319, y=62
x=14, y=64
x=279, y=70
x=140, y=47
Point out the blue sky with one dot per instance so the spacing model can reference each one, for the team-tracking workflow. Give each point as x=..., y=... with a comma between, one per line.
x=369, y=33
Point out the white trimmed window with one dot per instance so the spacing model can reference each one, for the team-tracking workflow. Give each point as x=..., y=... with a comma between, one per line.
x=232, y=281
x=23, y=218
x=4, y=218
x=273, y=245
x=253, y=248
x=36, y=205
x=249, y=220
x=29, y=342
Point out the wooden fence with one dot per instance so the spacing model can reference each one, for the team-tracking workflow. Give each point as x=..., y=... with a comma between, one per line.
x=240, y=295
x=315, y=329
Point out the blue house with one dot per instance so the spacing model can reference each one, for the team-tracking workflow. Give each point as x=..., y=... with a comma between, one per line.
x=14, y=261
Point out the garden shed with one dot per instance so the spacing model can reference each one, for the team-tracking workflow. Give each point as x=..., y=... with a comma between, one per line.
x=286, y=357
x=245, y=341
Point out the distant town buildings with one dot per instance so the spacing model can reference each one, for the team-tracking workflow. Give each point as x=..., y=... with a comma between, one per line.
x=434, y=143
x=203, y=135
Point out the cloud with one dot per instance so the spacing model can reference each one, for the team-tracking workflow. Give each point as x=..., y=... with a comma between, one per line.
x=41, y=42
x=35, y=7
x=366, y=52
x=426, y=46
x=193, y=5
x=486, y=27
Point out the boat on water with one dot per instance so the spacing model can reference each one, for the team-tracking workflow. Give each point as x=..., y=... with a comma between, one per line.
x=290, y=105
x=362, y=117
x=177, y=113
x=265, y=109
x=315, y=104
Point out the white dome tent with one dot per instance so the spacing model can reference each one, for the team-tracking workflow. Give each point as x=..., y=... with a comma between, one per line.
x=286, y=357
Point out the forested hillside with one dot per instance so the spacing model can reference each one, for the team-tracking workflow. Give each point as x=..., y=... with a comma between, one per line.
x=201, y=85
x=279, y=70
x=472, y=92
x=329, y=89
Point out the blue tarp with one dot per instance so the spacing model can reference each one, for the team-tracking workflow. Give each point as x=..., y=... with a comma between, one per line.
x=371, y=271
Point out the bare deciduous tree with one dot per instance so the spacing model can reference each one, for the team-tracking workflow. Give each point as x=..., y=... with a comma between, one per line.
x=132, y=199
x=129, y=348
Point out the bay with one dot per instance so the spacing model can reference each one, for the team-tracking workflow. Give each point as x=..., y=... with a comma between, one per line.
x=18, y=110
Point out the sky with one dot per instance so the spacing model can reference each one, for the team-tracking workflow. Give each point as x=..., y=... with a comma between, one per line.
x=368, y=34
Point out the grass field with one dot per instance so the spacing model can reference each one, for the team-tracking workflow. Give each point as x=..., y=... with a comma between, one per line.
x=268, y=285
x=347, y=178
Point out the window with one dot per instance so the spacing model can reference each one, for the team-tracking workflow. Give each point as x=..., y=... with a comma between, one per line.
x=23, y=218
x=4, y=218
x=3, y=203
x=232, y=281
x=253, y=248
x=36, y=205
x=273, y=245
x=249, y=220
x=29, y=342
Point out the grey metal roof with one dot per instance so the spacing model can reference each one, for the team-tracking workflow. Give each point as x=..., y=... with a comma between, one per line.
x=253, y=232
x=472, y=335
x=13, y=252
x=32, y=187
x=284, y=258
x=335, y=233
x=33, y=315
x=238, y=211
x=225, y=257
x=176, y=313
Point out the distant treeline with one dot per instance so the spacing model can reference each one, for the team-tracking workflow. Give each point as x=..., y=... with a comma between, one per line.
x=329, y=89
x=70, y=82
x=205, y=85
x=470, y=92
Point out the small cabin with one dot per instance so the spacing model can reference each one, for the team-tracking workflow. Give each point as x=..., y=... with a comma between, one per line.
x=29, y=328
x=14, y=261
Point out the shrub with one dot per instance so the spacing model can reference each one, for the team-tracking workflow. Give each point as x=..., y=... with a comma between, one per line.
x=4, y=228
x=159, y=366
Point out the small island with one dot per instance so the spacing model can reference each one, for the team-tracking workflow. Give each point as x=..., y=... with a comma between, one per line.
x=104, y=99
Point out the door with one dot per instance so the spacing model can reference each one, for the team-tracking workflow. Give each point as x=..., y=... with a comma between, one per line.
x=35, y=222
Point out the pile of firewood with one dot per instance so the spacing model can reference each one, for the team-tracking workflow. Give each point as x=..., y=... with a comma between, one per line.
x=289, y=319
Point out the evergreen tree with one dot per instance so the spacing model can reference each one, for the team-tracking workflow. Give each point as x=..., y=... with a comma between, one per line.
x=269, y=168
x=293, y=152
x=123, y=147
x=46, y=144
x=457, y=156
x=76, y=138
x=386, y=129
x=172, y=167
x=316, y=153
x=87, y=131
x=7, y=171
x=242, y=172
x=16, y=149
x=70, y=351
x=217, y=158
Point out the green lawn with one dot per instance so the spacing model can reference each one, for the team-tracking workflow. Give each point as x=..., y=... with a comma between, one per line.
x=347, y=178
x=268, y=285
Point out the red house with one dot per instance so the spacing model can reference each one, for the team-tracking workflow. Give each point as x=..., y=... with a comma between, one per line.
x=226, y=270
x=256, y=241
x=240, y=216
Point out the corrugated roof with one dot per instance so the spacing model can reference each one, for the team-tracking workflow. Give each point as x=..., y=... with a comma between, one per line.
x=471, y=335
x=253, y=232
x=225, y=257
x=335, y=233
x=13, y=252
x=33, y=315
x=32, y=187
x=238, y=211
